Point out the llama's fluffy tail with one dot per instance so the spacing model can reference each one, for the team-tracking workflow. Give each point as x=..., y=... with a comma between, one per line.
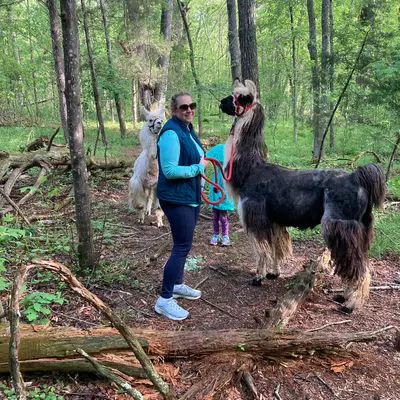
x=371, y=178
x=348, y=242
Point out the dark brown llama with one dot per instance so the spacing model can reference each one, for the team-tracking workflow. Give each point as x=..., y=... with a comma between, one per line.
x=270, y=198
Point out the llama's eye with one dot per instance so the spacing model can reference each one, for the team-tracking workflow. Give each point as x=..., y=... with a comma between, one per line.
x=151, y=121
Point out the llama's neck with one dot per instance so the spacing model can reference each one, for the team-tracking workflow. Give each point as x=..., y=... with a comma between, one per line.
x=249, y=147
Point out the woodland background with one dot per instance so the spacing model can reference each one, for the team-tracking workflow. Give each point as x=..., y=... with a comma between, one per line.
x=328, y=75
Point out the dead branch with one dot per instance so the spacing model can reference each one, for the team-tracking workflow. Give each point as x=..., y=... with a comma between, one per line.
x=396, y=146
x=15, y=207
x=385, y=287
x=66, y=201
x=248, y=379
x=52, y=138
x=18, y=382
x=106, y=373
x=122, y=362
x=276, y=392
x=354, y=159
x=298, y=293
x=330, y=324
x=77, y=287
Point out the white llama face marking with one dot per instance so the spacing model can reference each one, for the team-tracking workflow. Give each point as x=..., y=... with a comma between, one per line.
x=154, y=120
x=242, y=97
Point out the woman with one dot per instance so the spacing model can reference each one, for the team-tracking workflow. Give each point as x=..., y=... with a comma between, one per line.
x=181, y=161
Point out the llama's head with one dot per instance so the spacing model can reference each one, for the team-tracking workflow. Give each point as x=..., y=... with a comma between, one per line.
x=242, y=99
x=154, y=120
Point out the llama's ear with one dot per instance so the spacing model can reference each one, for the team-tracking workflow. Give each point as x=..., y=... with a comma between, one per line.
x=237, y=83
x=251, y=86
x=161, y=112
x=145, y=112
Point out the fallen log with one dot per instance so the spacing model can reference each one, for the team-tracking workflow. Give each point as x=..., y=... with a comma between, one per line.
x=63, y=342
x=66, y=365
x=61, y=156
x=302, y=285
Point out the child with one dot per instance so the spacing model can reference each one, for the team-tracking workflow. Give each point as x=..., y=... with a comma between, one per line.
x=220, y=211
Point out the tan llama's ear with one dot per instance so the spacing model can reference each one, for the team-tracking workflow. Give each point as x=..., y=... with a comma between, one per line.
x=145, y=112
x=161, y=112
x=251, y=86
x=237, y=83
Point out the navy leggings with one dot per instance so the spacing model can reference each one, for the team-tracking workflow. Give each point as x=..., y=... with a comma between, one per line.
x=183, y=220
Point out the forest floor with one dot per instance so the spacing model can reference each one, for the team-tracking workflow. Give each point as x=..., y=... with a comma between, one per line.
x=229, y=302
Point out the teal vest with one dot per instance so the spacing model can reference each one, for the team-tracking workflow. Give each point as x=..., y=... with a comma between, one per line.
x=181, y=191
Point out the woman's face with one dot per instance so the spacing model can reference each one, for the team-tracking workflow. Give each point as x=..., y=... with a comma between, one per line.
x=185, y=109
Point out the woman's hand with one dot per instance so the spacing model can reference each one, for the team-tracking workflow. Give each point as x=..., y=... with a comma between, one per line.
x=203, y=162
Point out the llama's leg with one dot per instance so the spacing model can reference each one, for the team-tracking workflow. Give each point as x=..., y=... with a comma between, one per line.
x=356, y=291
x=261, y=237
x=282, y=247
x=349, y=241
x=141, y=214
x=159, y=213
x=149, y=196
x=266, y=267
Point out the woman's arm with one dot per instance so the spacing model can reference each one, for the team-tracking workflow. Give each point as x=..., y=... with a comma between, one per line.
x=170, y=149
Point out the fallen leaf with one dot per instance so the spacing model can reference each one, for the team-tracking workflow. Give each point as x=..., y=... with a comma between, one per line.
x=340, y=367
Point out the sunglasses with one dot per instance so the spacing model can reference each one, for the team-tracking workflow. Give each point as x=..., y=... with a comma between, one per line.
x=185, y=107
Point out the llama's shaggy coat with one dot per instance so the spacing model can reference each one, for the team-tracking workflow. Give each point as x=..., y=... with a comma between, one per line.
x=271, y=198
x=143, y=183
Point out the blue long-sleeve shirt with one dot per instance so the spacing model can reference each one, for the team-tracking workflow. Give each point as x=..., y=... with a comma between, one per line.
x=170, y=149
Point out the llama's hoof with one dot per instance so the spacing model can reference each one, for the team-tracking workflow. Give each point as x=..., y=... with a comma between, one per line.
x=255, y=282
x=345, y=310
x=339, y=299
x=272, y=276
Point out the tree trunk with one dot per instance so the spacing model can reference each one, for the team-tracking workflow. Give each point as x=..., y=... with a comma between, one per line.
x=163, y=61
x=77, y=152
x=58, y=63
x=294, y=79
x=17, y=88
x=193, y=67
x=134, y=103
x=325, y=57
x=33, y=73
x=233, y=41
x=93, y=75
x=331, y=76
x=312, y=48
x=248, y=40
x=117, y=98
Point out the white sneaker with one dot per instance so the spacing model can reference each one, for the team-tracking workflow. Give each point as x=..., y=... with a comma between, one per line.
x=185, y=292
x=170, y=308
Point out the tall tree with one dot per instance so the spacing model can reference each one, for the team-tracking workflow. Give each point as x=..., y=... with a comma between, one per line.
x=93, y=75
x=294, y=74
x=33, y=72
x=325, y=59
x=183, y=11
x=163, y=61
x=234, y=51
x=117, y=97
x=248, y=40
x=18, y=87
x=58, y=63
x=312, y=48
x=86, y=252
x=331, y=74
